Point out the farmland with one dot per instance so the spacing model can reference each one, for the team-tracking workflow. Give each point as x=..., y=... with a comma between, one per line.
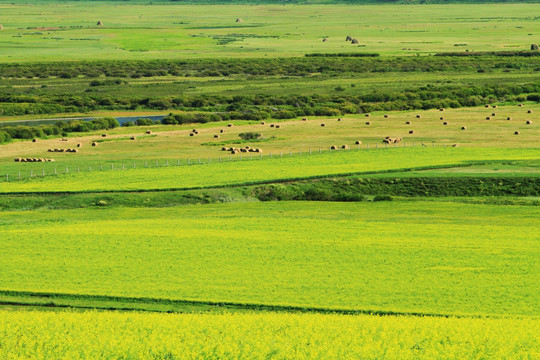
x=155, y=240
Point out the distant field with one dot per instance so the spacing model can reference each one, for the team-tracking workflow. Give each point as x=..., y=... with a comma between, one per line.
x=261, y=336
x=422, y=256
x=60, y=31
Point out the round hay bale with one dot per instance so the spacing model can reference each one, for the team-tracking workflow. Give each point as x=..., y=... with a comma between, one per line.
x=418, y=116
x=494, y=106
x=358, y=142
x=445, y=123
x=24, y=160
x=339, y=119
x=345, y=147
x=34, y=140
x=529, y=111
x=263, y=123
x=528, y=122
x=51, y=160
x=333, y=147
x=17, y=159
x=103, y=135
x=441, y=109
x=221, y=131
x=368, y=122
x=99, y=23
x=509, y=118
x=247, y=147
x=520, y=105
x=516, y=132
x=133, y=138
x=49, y=150
x=230, y=125
x=304, y=119
x=411, y=131
x=258, y=150
x=79, y=145
x=74, y=150
x=239, y=20
x=534, y=47
x=278, y=126
x=148, y=132
x=367, y=115
x=216, y=136
x=463, y=128
x=325, y=39
x=487, y=105
x=407, y=123
x=272, y=125
x=194, y=130
x=1, y=27
x=355, y=41
x=493, y=114
x=454, y=145
x=234, y=151
x=224, y=149
x=441, y=118
x=488, y=118
x=386, y=116
x=191, y=134
x=323, y=125
x=348, y=38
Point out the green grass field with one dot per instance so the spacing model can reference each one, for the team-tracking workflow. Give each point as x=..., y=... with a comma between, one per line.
x=167, y=247
x=68, y=31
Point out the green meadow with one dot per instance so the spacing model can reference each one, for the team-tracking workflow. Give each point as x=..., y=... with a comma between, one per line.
x=41, y=31
x=157, y=242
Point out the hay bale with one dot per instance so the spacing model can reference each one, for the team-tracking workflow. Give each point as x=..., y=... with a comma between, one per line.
x=407, y=123
x=244, y=150
x=1, y=27
x=348, y=38
x=278, y=126
x=263, y=123
x=63, y=139
x=488, y=118
x=79, y=145
x=247, y=147
x=221, y=131
x=50, y=160
x=17, y=159
x=358, y=142
x=24, y=160
x=441, y=109
x=487, y=105
x=304, y=119
x=454, y=145
x=441, y=118
x=224, y=149
x=344, y=147
x=493, y=114
x=323, y=125
x=62, y=150
x=148, y=132
x=234, y=151
x=386, y=116
x=99, y=23
x=258, y=150
x=445, y=123
x=339, y=119
x=529, y=111
x=194, y=130
x=34, y=140
x=191, y=134
x=230, y=125
x=418, y=116
x=494, y=106
x=239, y=20
x=216, y=136
x=94, y=143
x=74, y=150
x=333, y=147
x=355, y=41
x=516, y=132
x=520, y=105
x=133, y=138
x=103, y=135
x=368, y=122
x=272, y=125
x=325, y=39
x=49, y=150
x=411, y=131
x=528, y=122
x=367, y=115
x=463, y=128
x=534, y=47
x=509, y=118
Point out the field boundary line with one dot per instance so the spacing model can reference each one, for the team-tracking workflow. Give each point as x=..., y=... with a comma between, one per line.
x=48, y=302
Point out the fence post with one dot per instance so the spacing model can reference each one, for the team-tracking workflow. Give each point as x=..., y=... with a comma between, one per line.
x=167, y=163
x=31, y=173
x=300, y=151
x=270, y=155
x=145, y=164
x=199, y=160
x=434, y=144
x=290, y=151
x=251, y=156
x=134, y=164
x=78, y=169
x=281, y=153
x=20, y=173
x=54, y=173
x=260, y=155
x=376, y=146
x=189, y=161
x=220, y=159
x=42, y=172
x=112, y=166
x=123, y=167
x=101, y=167
x=309, y=151
x=67, y=170
x=157, y=164
x=178, y=162
x=413, y=144
x=89, y=169
x=367, y=146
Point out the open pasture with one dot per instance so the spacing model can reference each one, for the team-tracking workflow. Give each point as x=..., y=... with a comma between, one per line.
x=421, y=256
x=102, y=335
x=69, y=31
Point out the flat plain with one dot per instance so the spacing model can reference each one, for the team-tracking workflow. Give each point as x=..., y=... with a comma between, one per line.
x=158, y=244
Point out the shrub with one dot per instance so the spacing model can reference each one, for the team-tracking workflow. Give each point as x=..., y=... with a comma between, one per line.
x=250, y=135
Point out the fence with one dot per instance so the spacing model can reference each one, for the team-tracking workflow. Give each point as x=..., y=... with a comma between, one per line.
x=53, y=169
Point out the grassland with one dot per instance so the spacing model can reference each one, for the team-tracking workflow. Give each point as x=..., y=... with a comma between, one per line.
x=295, y=253
x=68, y=31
